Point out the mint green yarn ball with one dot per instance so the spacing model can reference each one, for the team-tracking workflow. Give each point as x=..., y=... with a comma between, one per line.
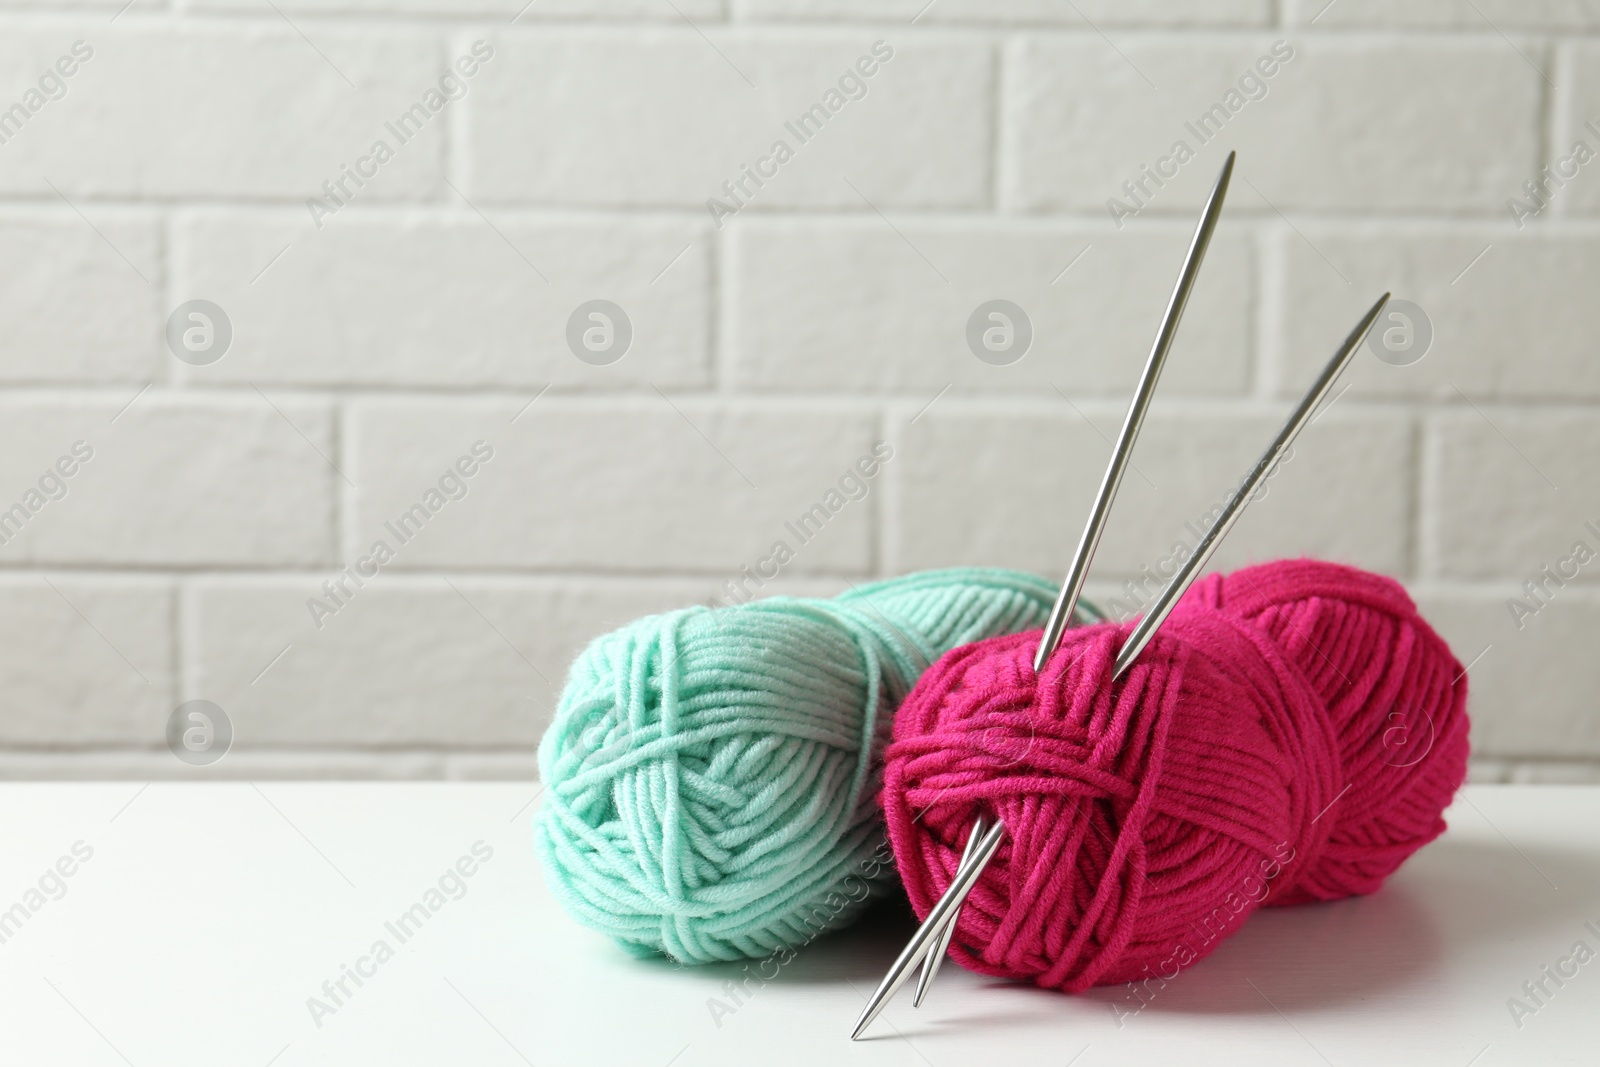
x=711, y=774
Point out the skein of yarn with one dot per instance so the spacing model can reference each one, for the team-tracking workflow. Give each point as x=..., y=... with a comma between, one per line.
x=711, y=774
x=1293, y=733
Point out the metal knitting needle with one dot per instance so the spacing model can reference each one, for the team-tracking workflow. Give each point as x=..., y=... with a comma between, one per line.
x=962, y=885
x=923, y=939
x=1072, y=588
x=1236, y=504
x=935, y=958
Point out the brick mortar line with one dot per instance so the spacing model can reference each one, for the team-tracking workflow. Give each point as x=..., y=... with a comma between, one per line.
x=720, y=332
x=1027, y=401
x=496, y=750
x=1268, y=259
x=487, y=751
x=1416, y=531
x=1549, y=105
x=185, y=641
x=444, y=208
x=792, y=28
x=121, y=575
x=1483, y=762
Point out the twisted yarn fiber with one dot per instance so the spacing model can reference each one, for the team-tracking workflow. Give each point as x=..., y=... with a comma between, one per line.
x=1293, y=733
x=711, y=774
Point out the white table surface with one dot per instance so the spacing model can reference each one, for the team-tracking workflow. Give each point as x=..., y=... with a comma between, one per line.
x=208, y=914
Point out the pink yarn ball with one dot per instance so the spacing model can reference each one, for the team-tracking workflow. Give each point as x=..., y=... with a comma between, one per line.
x=1292, y=734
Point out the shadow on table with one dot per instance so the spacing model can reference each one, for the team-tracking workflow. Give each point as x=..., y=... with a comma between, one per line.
x=1452, y=902
x=1314, y=955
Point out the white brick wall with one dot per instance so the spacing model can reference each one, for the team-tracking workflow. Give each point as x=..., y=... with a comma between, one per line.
x=425, y=307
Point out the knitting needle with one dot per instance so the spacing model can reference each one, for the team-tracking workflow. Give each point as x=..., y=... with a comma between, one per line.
x=935, y=958
x=1236, y=504
x=923, y=939
x=1072, y=588
x=953, y=898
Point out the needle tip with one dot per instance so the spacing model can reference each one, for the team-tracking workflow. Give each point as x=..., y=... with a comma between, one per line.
x=868, y=1013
